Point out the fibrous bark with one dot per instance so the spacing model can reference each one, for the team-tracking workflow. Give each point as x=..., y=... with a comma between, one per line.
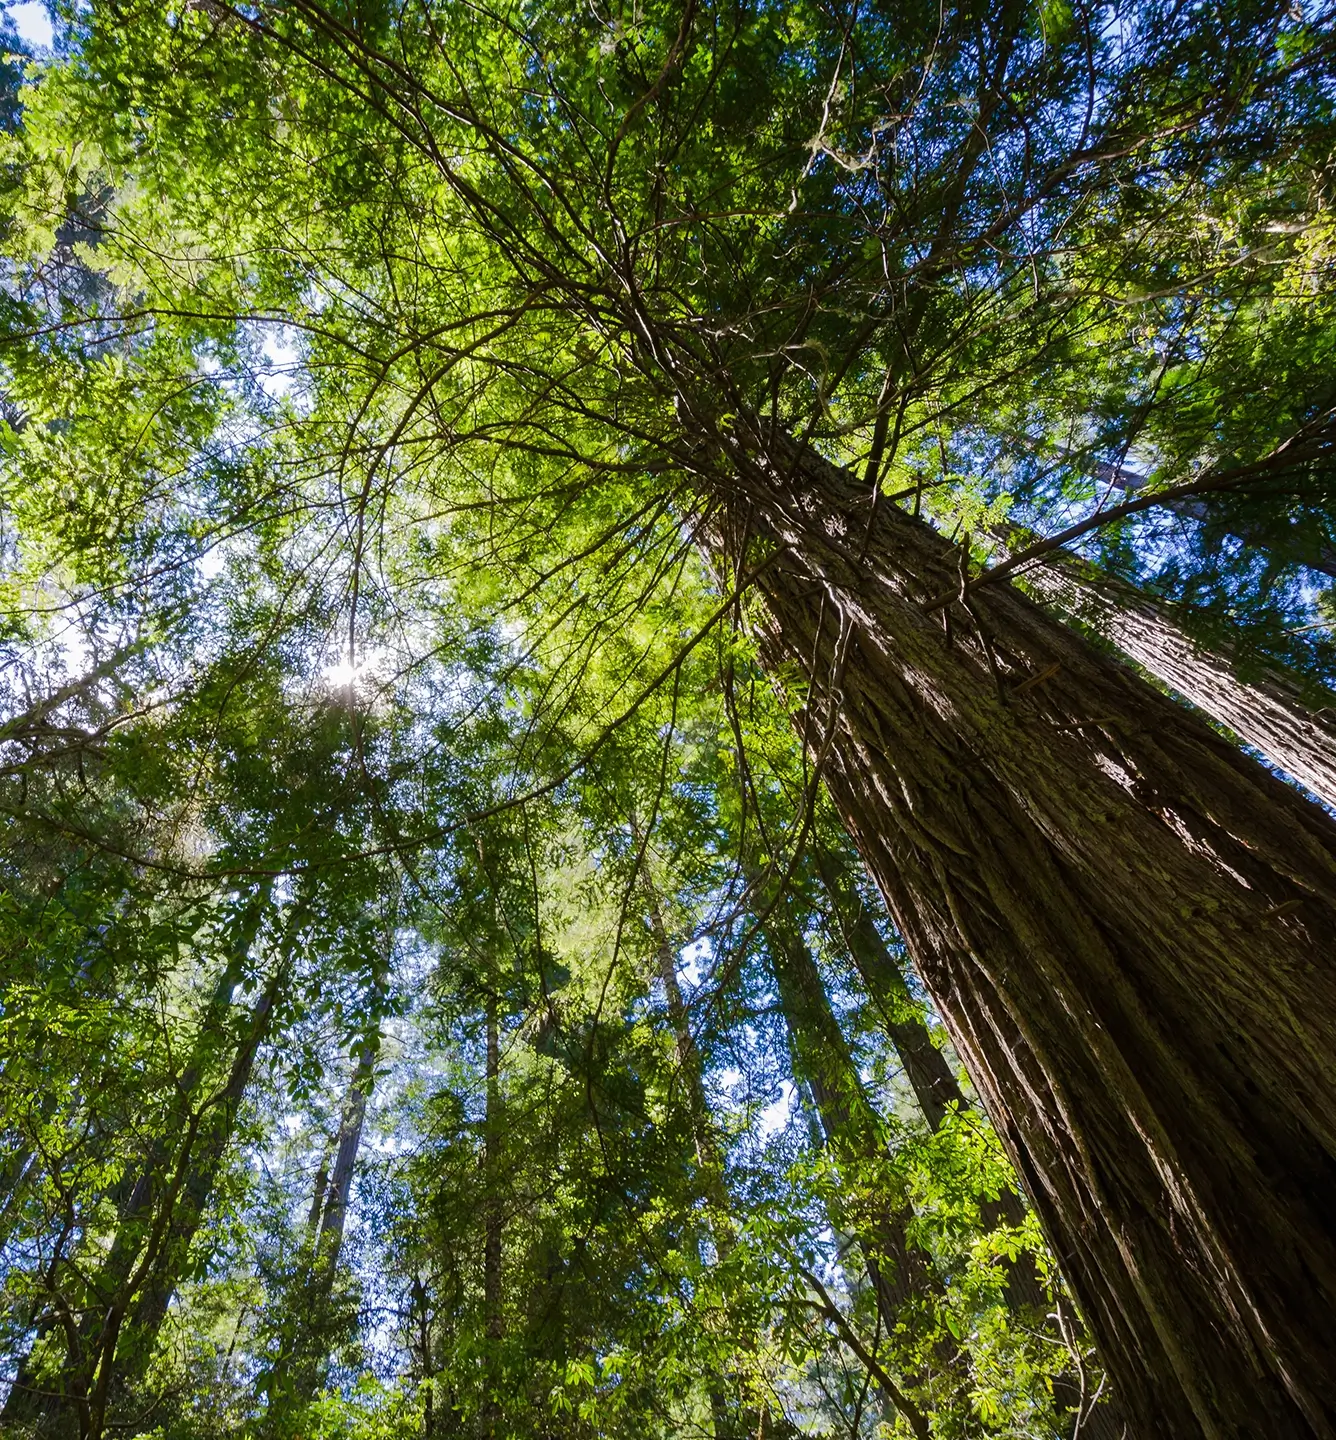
x=1125, y=923
x=938, y=1092
x=1269, y=712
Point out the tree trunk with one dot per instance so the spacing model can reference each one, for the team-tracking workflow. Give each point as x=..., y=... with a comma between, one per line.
x=298, y=1370
x=334, y=1213
x=935, y=1087
x=165, y=1203
x=491, y=1165
x=493, y=1220
x=853, y=1130
x=1125, y=923
x=938, y=1092
x=206, y=1161
x=690, y=1066
x=1270, y=713
x=728, y=1418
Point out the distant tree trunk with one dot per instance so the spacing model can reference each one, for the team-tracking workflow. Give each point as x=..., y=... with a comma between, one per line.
x=690, y=1065
x=421, y=1312
x=206, y=1161
x=938, y=1092
x=352, y=1121
x=20, y=1164
x=1269, y=712
x=178, y=1175
x=728, y=1418
x=1125, y=923
x=493, y=1221
x=298, y=1370
x=854, y=1131
x=930, y=1077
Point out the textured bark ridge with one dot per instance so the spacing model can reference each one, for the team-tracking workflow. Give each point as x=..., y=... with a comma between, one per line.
x=1126, y=924
x=937, y=1091
x=1269, y=713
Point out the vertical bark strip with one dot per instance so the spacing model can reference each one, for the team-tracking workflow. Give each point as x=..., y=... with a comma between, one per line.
x=1269, y=712
x=729, y=1419
x=1125, y=923
x=299, y=1368
x=938, y=1091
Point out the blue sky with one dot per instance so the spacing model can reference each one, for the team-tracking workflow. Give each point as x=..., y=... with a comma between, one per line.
x=32, y=22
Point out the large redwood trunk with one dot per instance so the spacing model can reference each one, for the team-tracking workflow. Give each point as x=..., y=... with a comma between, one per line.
x=1126, y=924
x=937, y=1092
x=1269, y=712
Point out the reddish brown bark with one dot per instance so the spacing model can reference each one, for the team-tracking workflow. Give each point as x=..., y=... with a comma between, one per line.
x=937, y=1090
x=1125, y=923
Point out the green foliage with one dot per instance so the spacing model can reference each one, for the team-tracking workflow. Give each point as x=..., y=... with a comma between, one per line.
x=364, y=369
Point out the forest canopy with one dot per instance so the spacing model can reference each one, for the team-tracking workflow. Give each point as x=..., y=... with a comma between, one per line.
x=668, y=720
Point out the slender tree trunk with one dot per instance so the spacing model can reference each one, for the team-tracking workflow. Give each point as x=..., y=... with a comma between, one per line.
x=690, y=1066
x=726, y=1417
x=852, y=1128
x=493, y=1220
x=930, y=1077
x=150, y=1310
x=177, y=1178
x=1269, y=712
x=897, y=1272
x=422, y=1312
x=299, y=1368
x=1125, y=923
x=334, y=1213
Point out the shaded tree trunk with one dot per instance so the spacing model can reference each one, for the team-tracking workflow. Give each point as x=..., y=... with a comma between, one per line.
x=493, y=1220
x=1270, y=712
x=102, y=1350
x=938, y=1092
x=352, y=1121
x=1125, y=923
x=930, y=1077
x=852, y=1128
x=897, y=1271
x=206, y=1161
x=690, y=1065
x=299, y=1368
x=728, y=1419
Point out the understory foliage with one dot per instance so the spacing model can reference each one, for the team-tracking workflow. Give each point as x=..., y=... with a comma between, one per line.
x=438, y=997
